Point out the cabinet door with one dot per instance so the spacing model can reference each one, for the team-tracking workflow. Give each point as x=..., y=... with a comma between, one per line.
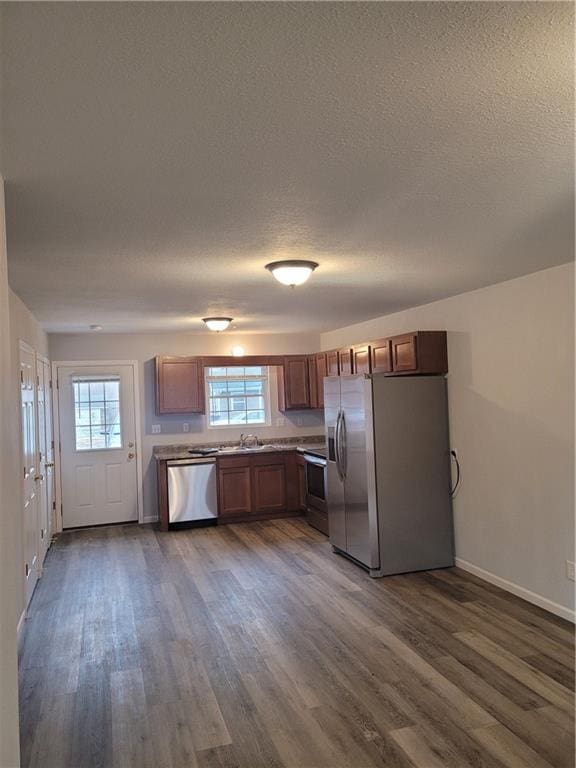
x=294, y=385
x=361, y=360
x=234, y=489
x=321, y=365
x=381, y=357
x=404, y=353
x=332, y=367
x=179, y=385
x=301, y=474
x=345, y=361
x=313, y=381
x=269, y=484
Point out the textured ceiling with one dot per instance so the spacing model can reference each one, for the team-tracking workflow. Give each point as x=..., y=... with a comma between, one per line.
x=158, y=155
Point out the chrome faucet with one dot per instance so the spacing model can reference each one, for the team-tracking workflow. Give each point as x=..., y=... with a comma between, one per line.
x=248, y=441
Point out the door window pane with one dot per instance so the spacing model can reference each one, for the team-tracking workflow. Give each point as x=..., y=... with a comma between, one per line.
x=97, y=417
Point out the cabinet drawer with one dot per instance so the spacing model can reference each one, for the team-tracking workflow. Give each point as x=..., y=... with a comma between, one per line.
x=233, y=462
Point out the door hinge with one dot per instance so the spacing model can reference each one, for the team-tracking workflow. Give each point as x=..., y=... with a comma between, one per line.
x=54, y=506
x=37, y=381
x=50, y=383
x=24, y=473
x=21, y=377
x=52, y=444
x=27, y=570
x=61, y=511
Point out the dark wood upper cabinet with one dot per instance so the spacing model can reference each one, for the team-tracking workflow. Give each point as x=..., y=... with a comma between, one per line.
x=320, y=364
x=268, y=483
x=420, y=352
x=179, y=385
x=294, y=384
x=312, y=381
x=332, y=366
x=381, y=356
x=345, y=361
x=361, y=361
x=234, y=487
x=404, y=353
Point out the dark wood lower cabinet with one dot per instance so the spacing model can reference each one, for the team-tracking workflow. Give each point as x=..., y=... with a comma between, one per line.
x=258, y=487
x=301, y=481
x=269, y=484
x=234, y=487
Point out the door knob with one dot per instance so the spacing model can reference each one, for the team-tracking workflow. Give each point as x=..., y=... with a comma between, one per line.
x=130, y=445
x=39, y=477
x=131, y=455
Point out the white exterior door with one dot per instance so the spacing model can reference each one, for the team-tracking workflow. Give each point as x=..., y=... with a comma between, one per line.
x=45, y=457
x=97, y=445
x=31, y=477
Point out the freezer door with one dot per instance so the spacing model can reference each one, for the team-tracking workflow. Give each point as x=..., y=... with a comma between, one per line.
x=192, y=491
x=335, y=486
x=412, y=452
x=355, y=447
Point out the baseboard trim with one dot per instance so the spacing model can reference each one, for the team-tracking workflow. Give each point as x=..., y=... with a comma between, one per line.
x=516, y=589
x=150, y=519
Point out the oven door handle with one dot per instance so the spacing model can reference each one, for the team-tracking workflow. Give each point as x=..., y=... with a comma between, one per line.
x=314, y=460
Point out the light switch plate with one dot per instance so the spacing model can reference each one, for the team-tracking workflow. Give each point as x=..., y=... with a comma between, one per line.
x=156, y=429
x=185, y=427
x=570, y=570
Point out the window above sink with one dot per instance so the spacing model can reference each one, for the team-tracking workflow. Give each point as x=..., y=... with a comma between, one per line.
x=237, y=396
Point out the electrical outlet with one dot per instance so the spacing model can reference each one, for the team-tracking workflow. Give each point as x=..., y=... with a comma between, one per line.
x=185, y=427
x=156, y=429
x=570, y=570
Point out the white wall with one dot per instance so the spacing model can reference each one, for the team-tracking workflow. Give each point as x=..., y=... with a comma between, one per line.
x=144, y=347
x=11, y=571
x=511, y=396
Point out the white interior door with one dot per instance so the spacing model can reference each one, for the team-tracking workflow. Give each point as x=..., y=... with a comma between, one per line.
x=28, y=425
x=45, y=457
x=97, y=445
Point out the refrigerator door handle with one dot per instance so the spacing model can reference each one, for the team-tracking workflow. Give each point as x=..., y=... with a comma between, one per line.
x=343, y=448
x=337, y=445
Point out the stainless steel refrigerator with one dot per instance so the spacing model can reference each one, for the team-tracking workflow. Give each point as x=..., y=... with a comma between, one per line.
x=388, y=496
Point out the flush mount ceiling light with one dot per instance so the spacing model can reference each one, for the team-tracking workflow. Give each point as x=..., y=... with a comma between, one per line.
x=292, y=272
x=217, y=323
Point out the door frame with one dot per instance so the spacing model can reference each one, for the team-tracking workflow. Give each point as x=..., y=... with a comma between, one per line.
x=57, y=447
x=48, y=401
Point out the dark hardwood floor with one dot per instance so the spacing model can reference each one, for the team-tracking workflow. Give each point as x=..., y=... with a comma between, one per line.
x=253, y=645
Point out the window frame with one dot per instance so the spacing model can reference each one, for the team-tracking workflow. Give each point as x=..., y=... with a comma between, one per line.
x=265, y=378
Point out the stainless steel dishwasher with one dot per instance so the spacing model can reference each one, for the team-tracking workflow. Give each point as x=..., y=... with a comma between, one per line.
x=192, y=496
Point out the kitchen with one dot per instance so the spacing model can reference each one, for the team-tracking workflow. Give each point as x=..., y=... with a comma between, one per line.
x=287, y=385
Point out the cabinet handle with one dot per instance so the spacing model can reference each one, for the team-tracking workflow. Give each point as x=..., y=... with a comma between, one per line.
x=39, y=477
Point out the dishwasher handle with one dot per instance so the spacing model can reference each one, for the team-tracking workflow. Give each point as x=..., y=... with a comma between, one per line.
x=187, y=462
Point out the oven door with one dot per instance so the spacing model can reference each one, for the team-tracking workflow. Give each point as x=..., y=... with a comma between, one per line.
x=316, y=483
